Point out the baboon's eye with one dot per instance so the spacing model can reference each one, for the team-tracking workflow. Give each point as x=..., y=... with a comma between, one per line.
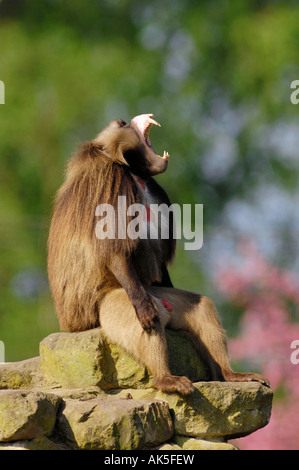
x=121, y=123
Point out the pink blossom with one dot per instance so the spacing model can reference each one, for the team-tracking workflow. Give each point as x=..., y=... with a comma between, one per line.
x=269, y=297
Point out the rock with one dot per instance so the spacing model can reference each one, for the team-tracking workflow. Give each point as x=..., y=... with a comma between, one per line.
x=113, y=423
x=40, y=443
x=187, y=443
x=184, y=359
x=168, y=446
x=216, y=409
x=78, y=393
x=87, y=358
x=23, y=374
x=19, y=445
x=26, y=414
x=85, y=393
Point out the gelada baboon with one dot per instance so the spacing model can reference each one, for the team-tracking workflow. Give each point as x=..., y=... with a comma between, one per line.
x=121, y=283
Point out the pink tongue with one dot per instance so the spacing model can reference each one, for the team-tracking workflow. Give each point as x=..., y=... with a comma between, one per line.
x=141, y=121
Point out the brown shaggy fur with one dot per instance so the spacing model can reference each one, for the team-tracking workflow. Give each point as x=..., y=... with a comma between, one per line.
x=77, y=259
x=110, y=282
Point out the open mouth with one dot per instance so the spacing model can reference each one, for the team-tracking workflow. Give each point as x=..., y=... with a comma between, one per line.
x=144, y=122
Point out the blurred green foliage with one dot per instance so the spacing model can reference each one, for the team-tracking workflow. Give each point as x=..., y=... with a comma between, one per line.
x=217, y=77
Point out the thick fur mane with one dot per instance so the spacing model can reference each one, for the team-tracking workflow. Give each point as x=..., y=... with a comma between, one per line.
x=77, y=258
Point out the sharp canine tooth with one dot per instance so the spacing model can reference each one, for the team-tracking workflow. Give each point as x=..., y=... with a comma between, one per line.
x=152, y=121
x=165, y=155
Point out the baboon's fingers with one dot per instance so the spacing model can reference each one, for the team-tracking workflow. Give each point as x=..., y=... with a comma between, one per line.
x=246, y=377
x=175, y=384
x=148, y=320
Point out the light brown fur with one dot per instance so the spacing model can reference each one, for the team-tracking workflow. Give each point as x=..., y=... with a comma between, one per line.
x=118, y=284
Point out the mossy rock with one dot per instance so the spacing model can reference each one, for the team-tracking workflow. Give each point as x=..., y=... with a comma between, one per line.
x=88, y=359
x=26, y=414
x=114, y=423
x=215, y=410
x=190, y=443
x=23, y=374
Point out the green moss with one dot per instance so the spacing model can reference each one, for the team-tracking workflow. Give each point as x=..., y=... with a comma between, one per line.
x=88, y=358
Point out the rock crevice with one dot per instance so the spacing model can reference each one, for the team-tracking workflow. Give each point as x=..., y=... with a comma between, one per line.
x=83, y=392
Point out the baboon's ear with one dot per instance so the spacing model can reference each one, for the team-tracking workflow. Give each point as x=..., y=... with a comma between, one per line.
x=121, y=123
x=91, y=151
x=114, y=140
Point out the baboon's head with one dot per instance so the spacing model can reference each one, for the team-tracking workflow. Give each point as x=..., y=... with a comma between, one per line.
x=129, y=144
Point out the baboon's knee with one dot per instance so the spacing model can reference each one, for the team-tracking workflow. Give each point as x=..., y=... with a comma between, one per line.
x=208, y=303
x=205, y=316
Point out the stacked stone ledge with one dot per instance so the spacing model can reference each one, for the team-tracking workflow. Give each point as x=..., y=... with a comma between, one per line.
x=83, y=392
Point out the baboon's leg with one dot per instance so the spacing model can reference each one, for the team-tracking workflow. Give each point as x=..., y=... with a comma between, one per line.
x=121, y=325
x=197, y=315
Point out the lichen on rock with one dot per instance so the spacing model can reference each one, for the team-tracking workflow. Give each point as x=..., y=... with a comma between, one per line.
x=83, y=392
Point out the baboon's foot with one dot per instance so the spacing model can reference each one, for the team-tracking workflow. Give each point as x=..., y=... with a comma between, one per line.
x=245, y=377
x=174, y=384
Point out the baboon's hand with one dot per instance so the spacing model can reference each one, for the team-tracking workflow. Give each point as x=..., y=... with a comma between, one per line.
x=147, y=314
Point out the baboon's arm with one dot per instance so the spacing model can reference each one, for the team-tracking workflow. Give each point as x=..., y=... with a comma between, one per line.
x=125, y=273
